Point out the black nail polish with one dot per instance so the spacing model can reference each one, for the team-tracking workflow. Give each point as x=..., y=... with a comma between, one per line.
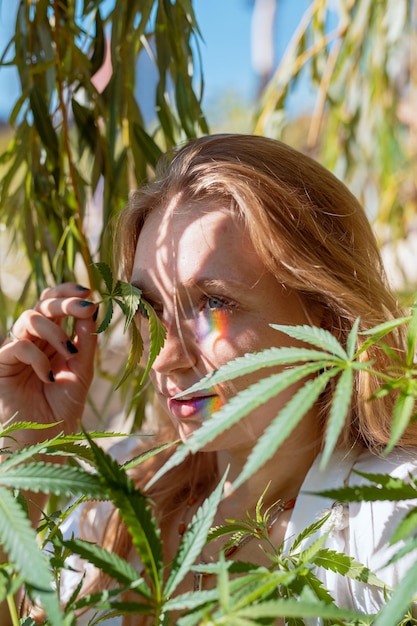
x=85, y=303
x=81, y=288
x=51, y=376
x=71, y=348
x=95, y=314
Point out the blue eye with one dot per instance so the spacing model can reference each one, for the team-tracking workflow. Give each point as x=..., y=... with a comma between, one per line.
x=215, y=303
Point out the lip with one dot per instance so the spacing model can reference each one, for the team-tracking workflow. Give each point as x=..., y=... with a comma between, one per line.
x=190, y=407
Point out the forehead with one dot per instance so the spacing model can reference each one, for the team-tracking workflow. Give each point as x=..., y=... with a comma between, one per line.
x=193, y=238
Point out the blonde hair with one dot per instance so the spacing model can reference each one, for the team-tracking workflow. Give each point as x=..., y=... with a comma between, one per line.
x=311, y=234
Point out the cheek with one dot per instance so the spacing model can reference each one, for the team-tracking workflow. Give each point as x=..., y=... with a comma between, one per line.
x=213, y=326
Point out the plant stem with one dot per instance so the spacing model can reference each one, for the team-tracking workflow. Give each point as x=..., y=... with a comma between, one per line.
x=12, y=609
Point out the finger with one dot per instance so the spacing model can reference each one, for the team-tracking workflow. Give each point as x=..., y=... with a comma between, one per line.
x=85, y=340
x=32, y=325
x=27, y=353
x=65, y=290
x=56, y=308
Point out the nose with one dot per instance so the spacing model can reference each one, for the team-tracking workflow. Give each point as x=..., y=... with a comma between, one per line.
x=179, y=351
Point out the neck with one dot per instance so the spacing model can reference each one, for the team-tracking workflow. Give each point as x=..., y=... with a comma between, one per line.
x=281, y=477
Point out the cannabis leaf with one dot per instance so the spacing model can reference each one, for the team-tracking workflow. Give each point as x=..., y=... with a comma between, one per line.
x=135, y=511
x=194, y=539
x=129, y=299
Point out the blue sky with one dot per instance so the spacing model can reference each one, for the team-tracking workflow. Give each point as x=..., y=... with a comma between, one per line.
x=225, y=27
x=225, y=49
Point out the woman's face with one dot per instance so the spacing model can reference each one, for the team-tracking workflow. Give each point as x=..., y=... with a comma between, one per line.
x=199, y=270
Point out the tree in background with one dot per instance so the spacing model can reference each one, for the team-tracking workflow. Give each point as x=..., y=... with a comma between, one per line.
x=360, y=58
x=80, y=137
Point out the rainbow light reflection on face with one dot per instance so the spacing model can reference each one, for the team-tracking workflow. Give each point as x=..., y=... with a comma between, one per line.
x=212, y=326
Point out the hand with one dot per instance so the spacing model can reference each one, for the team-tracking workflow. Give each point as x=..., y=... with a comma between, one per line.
x=45, y=375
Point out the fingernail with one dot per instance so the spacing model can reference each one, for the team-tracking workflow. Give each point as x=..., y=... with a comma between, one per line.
x=71, y=348
x=81, y=288
x=85, y=303
x=51, y=376
x=95, y=314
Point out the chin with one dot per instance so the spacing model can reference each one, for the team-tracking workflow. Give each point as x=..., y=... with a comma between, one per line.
x=186, y=430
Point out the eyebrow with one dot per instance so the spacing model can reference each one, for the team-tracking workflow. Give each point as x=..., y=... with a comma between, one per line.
x=202, y=284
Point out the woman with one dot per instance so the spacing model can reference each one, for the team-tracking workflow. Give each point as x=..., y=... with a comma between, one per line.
x=236, y=232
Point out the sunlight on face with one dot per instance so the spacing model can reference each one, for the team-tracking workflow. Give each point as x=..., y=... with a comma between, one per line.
x=199, y=270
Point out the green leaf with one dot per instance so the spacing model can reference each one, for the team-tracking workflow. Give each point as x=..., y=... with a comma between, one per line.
x=352, y=340
x=184, y=105
x=398, y=604
x=111, y=564
x=10, y=582
x=190, y=600
x=259, y=585
x=347, y=566
x=383, y=329
x=99, y=50
x=408, y=546
x=315, y=336
x=253, y=362
x=106, y=274
x=86, y=124
x=135, y=355
x=412, y=337
x=22, y=454
x=283, y=424
x=43, y=123
x=19, y=540
x=308, y=532
x=308, y=554
x=385, y=487
x=379, y=331
x=402, y=413
x=132, y=297
x=157, y=332
x=311, y=582
x=194, y=539
x=338, y=412
x=53, y=478
x=107, y=318
x=98, y=601
x=147, y=145
x=144, y=456
x=6, y=429
x=135, y=512
x=406, y=527
x=296, y=608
